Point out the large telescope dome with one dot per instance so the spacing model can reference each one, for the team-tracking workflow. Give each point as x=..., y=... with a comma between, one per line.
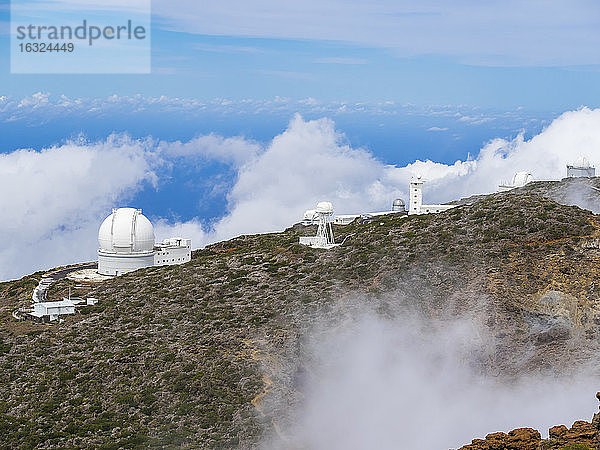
x=126, y=230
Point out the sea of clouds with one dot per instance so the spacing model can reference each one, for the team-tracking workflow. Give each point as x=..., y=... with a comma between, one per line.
x=54, y=199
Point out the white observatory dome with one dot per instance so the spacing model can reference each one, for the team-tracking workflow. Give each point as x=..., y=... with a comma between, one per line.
x=521, y=179
x=325, y=207
x=398, y=205
x=126, y=230
x=309, y=214
x=582, y=163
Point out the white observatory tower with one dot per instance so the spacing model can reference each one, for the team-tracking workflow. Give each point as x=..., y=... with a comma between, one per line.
x=416, y=205
x=324, y=237
x=416, y=195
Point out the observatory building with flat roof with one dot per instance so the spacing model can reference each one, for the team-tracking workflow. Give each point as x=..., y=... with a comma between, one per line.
x=126, y=243
x=581, y=169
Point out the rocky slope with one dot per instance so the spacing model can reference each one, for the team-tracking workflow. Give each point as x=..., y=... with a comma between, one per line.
x=582, y=192
x=212, y=354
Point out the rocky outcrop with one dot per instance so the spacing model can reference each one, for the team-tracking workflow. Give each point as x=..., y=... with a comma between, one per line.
x=582, y=435
x=521, y=438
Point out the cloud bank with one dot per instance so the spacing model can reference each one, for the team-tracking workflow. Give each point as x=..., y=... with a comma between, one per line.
x=416, y=383
x=55, y=198
x=43, y=107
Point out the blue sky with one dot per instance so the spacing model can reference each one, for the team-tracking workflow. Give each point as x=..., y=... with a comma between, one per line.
x=396, y=81
x=534, y=54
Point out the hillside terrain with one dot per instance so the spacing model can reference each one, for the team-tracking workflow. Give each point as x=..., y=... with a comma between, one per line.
x=213, y=354
x=582, y=192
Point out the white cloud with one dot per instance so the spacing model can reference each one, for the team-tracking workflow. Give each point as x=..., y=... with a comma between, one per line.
x=437, y=129
x=58, y=196
x=417, y=383
x=474, y=120
x=235, y=150
x=35, y=101
x=191, y=230
x=52, y=201
x=310, y=162
x=306, y=163
x=43, y=106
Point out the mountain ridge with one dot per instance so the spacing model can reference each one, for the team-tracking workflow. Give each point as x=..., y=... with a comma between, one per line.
x=212, y=353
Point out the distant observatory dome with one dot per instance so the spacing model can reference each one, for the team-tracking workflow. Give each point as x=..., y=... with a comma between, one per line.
x=325, y=207
x=126, y=230
x=398, y=205
x=521, y=179
x=582, y=163
x=309, y=214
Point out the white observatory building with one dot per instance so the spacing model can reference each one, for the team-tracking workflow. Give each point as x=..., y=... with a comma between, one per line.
x=126, y=243
x=324, y=237
x=520, y=179
x=416, y=205
x=581, y=169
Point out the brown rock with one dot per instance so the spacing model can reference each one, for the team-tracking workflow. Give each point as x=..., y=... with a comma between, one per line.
x=558, y=432
x=493, y=441
x=523, y=439
x=476, y=444
x=497, y=441
x=582, y=433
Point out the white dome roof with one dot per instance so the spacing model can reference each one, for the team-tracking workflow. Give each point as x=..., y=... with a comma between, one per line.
x=398, y=205
x=582, y=163
x=126, y=230
x=325, y=207
x=521, y=179
x=309, y=214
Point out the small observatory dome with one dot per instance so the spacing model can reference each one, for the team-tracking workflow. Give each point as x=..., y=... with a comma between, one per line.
x=398, y=205
x=309, y=214
x=126, y=230
x=325, y=207
x=582, y=163
x=521, y=179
